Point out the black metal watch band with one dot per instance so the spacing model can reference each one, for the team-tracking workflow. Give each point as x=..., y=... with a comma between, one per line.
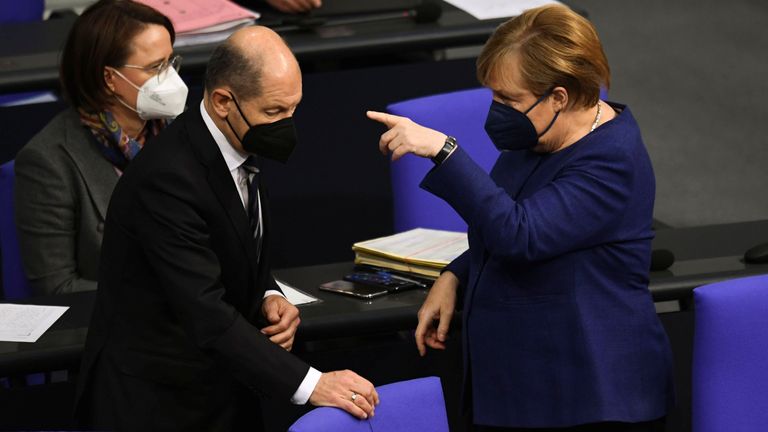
x=448, y=148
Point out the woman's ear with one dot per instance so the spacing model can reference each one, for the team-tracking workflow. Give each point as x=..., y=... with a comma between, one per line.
x=560, y=98
x=109, y=79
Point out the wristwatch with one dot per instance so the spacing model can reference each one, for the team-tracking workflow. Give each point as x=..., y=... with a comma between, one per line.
x=448, y=148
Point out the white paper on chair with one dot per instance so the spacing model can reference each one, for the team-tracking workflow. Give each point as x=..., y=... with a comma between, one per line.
x=26, y=323
x=490, y=9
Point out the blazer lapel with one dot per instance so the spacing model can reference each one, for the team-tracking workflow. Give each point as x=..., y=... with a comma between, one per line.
x=98, y=174
x=219, y=178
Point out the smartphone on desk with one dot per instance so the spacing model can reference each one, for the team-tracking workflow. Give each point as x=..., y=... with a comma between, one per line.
x=353, y=289
x=391, y=283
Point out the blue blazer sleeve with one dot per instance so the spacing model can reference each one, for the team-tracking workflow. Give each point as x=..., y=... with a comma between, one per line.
x=578, y=209
x=460, y=267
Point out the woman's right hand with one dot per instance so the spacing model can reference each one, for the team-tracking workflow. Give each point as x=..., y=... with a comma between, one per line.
x=438, y=306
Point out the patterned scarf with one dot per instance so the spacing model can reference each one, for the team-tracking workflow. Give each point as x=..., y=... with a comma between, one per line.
x=117, y=147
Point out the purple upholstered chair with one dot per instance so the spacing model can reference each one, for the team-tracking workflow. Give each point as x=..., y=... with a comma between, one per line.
x=14, y=11
x=730, y=356
x=14, y=281
x=406, y=406
x=460, y=114
x=21, y=10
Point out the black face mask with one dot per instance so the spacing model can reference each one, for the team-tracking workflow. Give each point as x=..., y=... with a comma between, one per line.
x=510, y=129
x=274, y=141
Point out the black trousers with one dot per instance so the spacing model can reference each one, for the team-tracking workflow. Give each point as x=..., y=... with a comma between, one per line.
x=650, y=426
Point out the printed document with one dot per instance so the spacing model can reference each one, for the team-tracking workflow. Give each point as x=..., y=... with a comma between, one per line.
x=422, y=246
x=26, y=323
x=490, y=9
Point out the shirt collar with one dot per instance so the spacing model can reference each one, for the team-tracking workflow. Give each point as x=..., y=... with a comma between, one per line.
x=232, y=157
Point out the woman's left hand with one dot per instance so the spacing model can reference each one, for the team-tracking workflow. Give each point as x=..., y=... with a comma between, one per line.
x=404, y=136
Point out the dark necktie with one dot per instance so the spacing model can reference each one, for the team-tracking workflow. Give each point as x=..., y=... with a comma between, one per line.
x=254, y=213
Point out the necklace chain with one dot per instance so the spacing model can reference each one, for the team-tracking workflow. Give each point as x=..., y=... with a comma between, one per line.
x=597, y=117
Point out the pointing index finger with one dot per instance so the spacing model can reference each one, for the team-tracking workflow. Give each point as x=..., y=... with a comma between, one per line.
x=388, y=119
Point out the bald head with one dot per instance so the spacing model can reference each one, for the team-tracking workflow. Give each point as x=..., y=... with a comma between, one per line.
x=248, y=57
x=252, y=79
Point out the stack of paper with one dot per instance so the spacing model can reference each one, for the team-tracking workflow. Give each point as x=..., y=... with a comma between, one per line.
x=199, y=22
x=419, y=251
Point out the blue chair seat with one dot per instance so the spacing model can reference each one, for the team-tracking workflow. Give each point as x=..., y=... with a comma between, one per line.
x=730, y=360
x=406, y=406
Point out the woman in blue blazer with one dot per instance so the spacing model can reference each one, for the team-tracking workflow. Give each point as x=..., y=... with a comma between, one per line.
x=559, y=327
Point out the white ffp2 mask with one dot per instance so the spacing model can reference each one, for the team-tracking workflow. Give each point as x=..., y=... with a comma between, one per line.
x=159, y=99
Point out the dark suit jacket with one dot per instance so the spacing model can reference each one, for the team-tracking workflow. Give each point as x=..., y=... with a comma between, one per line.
x=559, y=326
x=63, y=185
x=175, y=333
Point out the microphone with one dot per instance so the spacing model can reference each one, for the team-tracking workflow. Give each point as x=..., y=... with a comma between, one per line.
x=661, y=259
x=425, y=12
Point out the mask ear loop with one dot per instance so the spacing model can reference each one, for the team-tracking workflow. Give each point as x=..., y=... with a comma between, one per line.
x=241, y=115
x=550, y=125
x=544, y=96
x=119, y=99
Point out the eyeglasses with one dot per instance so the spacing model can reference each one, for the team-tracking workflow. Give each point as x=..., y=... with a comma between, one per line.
x=161, y=70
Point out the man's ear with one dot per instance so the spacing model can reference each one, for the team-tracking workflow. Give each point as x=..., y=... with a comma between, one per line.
x=221, y=102
x=560, y=98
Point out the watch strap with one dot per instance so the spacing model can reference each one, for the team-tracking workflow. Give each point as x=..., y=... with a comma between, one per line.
x=448, y=148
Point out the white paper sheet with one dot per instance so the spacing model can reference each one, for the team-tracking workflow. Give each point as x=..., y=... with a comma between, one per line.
x=295, y=296
x=26, y=323
x=490, y=9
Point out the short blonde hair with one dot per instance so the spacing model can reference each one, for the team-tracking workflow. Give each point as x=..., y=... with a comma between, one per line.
x=556, y=47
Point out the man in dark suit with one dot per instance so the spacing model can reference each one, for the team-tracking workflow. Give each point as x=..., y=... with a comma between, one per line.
x=189, y=322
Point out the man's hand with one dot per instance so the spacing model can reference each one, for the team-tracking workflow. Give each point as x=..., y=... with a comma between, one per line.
x=284, y=319
x=404, y=136
x=438, y=306
x=346, y=390
x=294, y=6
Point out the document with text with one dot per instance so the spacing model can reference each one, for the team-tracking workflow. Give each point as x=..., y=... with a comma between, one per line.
x=26, y=323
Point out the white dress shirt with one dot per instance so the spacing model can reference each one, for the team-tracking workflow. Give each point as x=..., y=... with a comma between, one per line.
x=234, y=160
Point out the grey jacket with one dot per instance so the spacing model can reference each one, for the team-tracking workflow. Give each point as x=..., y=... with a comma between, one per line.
x=63, y=186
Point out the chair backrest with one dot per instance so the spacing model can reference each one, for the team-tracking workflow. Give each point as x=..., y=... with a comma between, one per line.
x=15, y=284
x=406, y=406
x=21, y=10
x=460, y=114
x=730, y=358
